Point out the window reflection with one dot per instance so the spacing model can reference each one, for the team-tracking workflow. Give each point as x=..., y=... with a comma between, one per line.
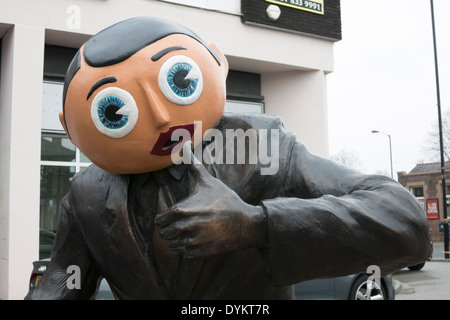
x=60, y=160
x=55, y=183
x=57, y=148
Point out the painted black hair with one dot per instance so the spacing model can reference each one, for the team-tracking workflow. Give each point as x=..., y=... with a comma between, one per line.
x=123, y=39
x=71, y=71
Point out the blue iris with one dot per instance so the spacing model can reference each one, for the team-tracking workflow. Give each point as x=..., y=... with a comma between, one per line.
x=176, y=78
x=107, y=112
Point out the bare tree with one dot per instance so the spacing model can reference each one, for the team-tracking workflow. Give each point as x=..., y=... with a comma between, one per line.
x=432, y=146
x=347, y=158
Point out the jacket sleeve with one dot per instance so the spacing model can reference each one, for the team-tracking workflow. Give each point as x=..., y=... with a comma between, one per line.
x=70, y=274
x=334, y=221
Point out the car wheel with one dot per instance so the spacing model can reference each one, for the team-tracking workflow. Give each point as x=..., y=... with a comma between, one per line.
x=364, y=288
x=417, y=266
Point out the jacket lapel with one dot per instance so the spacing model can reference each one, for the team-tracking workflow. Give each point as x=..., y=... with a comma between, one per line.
x=135, y=269
x=189, y=269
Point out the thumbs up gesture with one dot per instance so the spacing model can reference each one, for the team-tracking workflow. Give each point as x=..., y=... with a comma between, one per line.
x=213, y=219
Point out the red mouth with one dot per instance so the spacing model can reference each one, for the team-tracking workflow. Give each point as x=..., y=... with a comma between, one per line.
x=164, y=145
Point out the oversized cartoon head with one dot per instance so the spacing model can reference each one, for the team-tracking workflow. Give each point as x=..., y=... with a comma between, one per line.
x=132, y=85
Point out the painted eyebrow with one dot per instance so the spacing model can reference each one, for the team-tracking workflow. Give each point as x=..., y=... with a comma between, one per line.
x=161, y=53
x=100, y=83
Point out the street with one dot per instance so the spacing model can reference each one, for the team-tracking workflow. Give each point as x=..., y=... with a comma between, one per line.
x=430, y=283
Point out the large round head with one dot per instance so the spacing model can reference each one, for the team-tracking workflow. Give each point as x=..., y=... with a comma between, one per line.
x=131, y=86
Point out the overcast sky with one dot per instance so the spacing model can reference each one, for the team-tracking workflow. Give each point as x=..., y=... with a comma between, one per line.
x=384, y=80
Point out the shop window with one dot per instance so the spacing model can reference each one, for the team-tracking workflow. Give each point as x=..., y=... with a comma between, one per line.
x=419, y=194
x=236, y=106
x=60, y=160
x=244, y=93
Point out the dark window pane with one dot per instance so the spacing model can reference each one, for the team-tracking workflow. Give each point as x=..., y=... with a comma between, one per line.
x=55, y=183
x=57, y=148
x=417, y=191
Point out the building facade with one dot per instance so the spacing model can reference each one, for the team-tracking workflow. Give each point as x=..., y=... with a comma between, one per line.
x=279, y=52
x=425, y=182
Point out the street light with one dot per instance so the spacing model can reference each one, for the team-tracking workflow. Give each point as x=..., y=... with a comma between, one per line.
x=390, y=148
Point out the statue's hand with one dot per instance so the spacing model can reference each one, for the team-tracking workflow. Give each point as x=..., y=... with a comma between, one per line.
x=212, y=220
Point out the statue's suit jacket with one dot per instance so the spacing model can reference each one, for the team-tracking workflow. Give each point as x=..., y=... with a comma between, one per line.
x=323, y=220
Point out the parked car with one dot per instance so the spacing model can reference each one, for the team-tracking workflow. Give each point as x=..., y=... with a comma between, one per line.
x=353, y=287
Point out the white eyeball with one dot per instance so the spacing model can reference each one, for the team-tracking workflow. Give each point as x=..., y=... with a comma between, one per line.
x=114, y=112
x=181, y=80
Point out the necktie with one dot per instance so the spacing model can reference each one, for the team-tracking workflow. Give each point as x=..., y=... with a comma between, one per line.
x=179, y=274
x=167, y=261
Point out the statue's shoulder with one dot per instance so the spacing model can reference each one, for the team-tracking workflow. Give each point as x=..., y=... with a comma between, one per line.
x=250, y=121
x=94, y=180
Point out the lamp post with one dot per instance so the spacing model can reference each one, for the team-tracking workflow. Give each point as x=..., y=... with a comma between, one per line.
x=441, y=141
x=390, y=148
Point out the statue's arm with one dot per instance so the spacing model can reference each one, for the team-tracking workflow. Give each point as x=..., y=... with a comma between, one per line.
x=70, y=274
x=336, y=221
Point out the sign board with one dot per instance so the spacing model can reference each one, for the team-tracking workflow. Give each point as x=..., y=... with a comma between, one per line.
x=433, y=208
x=315, y=6
x=306, y=17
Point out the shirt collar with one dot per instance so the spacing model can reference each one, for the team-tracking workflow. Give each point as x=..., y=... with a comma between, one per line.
x=175, y=171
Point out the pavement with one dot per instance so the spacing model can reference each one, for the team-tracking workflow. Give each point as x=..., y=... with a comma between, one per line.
x=438, y=256
x=402, y=287
x=438, y=252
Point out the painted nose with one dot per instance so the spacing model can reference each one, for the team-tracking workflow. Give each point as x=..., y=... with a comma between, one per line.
x=157, y=109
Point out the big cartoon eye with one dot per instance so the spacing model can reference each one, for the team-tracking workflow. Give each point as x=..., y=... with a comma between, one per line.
x=114, y=112
x=180, y=80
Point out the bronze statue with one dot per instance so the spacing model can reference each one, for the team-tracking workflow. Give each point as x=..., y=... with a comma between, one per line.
x=159, y=223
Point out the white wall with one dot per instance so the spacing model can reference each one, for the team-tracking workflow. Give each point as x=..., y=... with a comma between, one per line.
x=265, y=48
x=228, y=6
x=299, y=97
x=20, y=127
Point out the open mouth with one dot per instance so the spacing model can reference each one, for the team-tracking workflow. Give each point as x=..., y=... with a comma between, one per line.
x=164, y=145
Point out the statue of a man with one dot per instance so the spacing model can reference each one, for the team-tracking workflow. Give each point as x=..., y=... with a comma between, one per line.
x=158, y=223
